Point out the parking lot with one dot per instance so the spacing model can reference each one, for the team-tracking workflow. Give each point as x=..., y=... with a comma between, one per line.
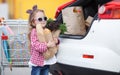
x=18, y=71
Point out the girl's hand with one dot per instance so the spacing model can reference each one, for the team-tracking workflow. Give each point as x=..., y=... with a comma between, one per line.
x=55, y=40
x=51, y=44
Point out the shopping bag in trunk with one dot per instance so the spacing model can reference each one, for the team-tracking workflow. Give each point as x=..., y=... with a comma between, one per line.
x=74, y=19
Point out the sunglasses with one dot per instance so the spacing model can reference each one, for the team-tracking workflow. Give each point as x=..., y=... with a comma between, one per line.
x=42, y=19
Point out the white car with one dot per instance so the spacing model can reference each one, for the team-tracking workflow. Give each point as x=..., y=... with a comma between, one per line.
x=96, y=53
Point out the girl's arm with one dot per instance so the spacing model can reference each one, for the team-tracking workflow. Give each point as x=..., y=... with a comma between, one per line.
x=35, y=44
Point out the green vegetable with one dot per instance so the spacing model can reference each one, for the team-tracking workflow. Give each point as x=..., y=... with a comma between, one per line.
x=49, y=21
x=63, y=28
x=54, y=25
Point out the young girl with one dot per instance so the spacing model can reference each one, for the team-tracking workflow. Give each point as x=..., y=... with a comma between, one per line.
x=40, y=66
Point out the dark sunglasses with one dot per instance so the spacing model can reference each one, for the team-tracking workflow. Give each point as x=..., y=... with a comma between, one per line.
x=42, y=19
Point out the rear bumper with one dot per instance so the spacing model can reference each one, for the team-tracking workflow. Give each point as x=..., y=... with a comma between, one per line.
x=62, y=69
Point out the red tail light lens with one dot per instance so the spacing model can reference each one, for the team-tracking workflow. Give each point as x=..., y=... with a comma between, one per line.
x=111, y=10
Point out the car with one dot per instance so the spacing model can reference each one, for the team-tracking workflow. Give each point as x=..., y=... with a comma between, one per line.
x=95, y=53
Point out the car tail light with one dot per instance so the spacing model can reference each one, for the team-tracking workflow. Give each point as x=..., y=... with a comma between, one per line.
x=111, y=10
x=116, y=13
x=101, y=9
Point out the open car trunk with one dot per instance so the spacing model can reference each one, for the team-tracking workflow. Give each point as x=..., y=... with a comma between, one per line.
x=68, y=63
x=90, y=7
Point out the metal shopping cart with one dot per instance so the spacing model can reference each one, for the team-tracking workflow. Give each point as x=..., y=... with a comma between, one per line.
x=14, y=50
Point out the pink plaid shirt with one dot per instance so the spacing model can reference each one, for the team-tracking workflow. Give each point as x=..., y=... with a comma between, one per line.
x=37, y=48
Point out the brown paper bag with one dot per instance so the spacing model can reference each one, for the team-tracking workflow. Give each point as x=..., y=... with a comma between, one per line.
x=47, y=35
x=40, y=33
x=74, y=19
x=88, y=21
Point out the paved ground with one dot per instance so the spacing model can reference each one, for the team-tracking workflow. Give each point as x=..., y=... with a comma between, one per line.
x=18, y=71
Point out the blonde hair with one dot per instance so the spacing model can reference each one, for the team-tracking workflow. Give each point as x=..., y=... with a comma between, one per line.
x=31, y=22
x=31, y=19
x=32, y=15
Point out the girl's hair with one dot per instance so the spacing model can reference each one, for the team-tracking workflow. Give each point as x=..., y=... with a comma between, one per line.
x=32, y=14
x=31, y=20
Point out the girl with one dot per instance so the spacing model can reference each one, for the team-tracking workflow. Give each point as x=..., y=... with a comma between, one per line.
x=40, y=66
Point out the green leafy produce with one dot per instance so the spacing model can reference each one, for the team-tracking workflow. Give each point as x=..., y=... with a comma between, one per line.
x=63, y=28
x=49, y=21
x=54, y=25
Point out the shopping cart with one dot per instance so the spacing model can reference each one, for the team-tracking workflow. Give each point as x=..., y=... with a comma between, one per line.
x=14, y=47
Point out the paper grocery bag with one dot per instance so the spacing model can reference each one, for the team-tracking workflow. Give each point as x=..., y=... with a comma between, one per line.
x=40, y=33
x=49, y=36
x=45, y=36
x=74, y=19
